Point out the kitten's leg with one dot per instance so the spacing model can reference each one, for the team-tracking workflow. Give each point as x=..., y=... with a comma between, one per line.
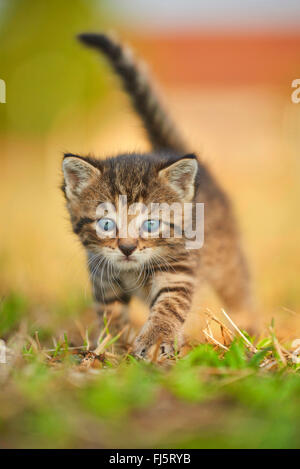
x=229, y=276
x=111, y=303
x=115, y=312
x=227, y=271
x=171, y=297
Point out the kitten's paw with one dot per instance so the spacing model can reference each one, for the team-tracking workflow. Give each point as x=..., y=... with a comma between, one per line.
x=153, y=332
x=170, y=348
x=146, y=338
x=140, y=352
x=167, y=350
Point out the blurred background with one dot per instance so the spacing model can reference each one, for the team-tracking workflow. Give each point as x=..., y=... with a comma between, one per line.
x=224, y=69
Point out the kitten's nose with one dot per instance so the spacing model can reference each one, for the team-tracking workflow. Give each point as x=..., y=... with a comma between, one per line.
x=127, y=247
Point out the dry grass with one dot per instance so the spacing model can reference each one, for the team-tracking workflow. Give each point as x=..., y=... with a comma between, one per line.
x=95, y=354
x=227, y=392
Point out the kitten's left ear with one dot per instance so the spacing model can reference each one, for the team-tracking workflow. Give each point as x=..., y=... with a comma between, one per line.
x=181, y=176
x=78, y=173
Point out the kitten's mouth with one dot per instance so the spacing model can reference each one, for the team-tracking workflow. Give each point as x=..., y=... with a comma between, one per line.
x=128, y=259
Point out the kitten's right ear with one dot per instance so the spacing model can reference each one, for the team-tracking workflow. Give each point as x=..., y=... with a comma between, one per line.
x=78, y=174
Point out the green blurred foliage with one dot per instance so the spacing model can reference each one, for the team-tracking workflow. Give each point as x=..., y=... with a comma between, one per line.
x=12, y=308
x=45, y=69
x=57, y=407
x=116, y=394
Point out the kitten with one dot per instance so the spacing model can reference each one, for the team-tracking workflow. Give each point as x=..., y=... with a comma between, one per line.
x=161, y=270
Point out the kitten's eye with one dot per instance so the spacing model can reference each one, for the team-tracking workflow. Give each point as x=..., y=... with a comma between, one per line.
x=106, y=224
x=150, y=226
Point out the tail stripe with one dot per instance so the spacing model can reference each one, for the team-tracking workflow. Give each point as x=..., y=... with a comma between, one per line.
x=161, y=131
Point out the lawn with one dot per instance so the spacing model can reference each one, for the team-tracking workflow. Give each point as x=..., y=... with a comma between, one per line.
x=225, y=393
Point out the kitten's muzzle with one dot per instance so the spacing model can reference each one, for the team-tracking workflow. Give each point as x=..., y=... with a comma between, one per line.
x=127, y=247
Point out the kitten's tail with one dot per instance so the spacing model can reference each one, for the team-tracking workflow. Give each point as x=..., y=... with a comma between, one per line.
x=161, y=131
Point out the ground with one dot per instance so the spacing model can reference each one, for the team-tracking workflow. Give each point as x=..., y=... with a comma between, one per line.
x=225, y=393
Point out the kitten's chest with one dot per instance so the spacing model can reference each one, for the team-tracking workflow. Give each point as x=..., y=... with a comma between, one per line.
x=131, y=280
x=136, y=283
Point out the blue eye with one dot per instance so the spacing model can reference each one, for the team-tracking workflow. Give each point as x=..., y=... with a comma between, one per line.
x=150, y=226
x=106, y=224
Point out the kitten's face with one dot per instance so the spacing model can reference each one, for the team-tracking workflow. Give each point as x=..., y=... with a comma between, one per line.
x=112, y=211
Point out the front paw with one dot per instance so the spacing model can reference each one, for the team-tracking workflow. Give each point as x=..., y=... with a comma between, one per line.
x=147, y=337
x=170, y=339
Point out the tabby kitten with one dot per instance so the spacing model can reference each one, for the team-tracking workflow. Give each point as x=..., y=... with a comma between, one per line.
x=159, y=270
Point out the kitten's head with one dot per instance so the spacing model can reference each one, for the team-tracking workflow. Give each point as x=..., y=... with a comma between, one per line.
x=111, y=205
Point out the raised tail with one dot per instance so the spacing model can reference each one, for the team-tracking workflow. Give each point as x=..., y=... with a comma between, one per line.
x=161, y=131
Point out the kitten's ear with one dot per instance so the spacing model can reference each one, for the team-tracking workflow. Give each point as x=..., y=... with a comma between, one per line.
x=78, y=173
x=181, y=176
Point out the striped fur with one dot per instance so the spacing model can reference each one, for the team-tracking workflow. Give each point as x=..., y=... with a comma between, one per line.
x=160, y=271
x=161, y=131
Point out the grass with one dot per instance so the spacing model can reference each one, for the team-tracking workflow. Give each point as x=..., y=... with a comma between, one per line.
x=230, y=392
